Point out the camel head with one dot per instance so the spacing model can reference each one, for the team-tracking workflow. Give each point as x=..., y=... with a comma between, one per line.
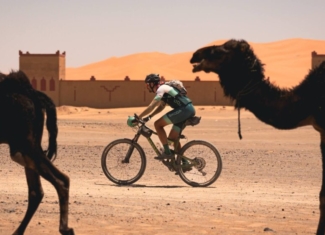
x=234, y=62
x=218, y=57
x=208, y=59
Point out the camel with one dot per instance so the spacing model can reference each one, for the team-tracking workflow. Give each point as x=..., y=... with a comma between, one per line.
x=242, y=78
x=21, y=127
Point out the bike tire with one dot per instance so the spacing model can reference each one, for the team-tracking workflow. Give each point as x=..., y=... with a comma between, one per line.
x=206, y=159
x=119, y=172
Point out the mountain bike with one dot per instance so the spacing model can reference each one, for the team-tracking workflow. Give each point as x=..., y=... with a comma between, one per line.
x=198, y=162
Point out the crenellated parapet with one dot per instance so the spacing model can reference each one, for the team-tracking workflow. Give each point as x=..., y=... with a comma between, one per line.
x=57, y=53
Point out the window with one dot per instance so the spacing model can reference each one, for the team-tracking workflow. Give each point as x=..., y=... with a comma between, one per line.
x=43, y=84
x=52, y=85
x=34, y=83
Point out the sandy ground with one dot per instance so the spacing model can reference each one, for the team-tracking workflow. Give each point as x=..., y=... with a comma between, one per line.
x=270, y=181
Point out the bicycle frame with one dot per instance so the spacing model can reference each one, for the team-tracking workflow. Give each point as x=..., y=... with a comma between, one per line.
x=191, y=168
x=147, y=132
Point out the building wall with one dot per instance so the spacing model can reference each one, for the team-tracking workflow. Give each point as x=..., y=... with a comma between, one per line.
x=115, y=94
x=47, y=74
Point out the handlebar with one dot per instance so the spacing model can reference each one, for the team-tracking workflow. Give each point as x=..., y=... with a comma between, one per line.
x=138, y=119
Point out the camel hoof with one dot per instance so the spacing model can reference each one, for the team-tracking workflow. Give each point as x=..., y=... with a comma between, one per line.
x=69, y=231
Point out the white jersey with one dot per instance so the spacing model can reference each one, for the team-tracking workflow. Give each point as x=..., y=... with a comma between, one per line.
x=163, y=89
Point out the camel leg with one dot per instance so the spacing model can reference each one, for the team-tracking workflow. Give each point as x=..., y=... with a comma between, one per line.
x=35, y=195
x=321, y=224
x=44, y=167
x=61, y=183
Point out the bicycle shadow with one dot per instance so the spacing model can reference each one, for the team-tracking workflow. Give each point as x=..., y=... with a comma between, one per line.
x=141, y=185
x=148, y=186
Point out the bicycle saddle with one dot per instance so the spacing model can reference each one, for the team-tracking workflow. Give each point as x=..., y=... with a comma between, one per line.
x=193, y=121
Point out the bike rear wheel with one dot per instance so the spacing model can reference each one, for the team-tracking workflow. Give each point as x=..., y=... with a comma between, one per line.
x=201, y=165
x=123, y=162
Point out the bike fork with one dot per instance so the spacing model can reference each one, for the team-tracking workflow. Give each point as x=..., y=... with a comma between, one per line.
x=128, y=155
x=130, y=151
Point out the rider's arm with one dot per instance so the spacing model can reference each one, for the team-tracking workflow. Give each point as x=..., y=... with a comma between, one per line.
x=149, y=109
x=157, y=100
x=160, y=108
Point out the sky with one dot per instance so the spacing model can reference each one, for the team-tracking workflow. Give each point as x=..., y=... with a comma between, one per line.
x=95, y=30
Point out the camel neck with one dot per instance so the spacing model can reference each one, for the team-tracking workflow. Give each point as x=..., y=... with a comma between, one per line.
x=280, y=108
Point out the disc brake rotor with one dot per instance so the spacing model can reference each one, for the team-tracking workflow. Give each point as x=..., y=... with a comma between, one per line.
x=199, y=163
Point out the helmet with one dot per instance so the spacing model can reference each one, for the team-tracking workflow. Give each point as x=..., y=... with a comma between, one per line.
x=131, y=122
x=152, y=78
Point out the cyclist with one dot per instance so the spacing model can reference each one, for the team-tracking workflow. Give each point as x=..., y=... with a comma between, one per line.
x=182, y=110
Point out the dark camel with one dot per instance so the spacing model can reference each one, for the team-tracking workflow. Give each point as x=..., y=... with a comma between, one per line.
x=242, y=78
x=21, y=127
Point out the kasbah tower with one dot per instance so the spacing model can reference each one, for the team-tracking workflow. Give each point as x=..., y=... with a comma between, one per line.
x=47, y=74
x=44, y=71
x=316, y=59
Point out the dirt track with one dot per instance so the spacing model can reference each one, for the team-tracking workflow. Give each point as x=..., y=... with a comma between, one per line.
x=270, y=179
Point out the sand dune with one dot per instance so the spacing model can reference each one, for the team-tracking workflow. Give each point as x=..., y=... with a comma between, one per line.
x=286, y=63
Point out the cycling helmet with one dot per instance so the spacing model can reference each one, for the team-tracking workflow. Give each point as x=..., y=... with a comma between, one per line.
x=131, y=122
x=152, y=78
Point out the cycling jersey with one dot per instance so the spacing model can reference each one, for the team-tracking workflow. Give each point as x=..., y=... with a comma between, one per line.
x=171, y=96
x=181, y=104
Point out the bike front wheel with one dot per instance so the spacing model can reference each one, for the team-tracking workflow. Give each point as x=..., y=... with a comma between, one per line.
x=123, y=162
x=199, y=163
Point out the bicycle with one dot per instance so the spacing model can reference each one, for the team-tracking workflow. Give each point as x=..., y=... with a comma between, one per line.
x=198, y=162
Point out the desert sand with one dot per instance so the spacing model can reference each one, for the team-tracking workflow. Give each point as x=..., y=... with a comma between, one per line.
x=287, y=62
x=269, y=183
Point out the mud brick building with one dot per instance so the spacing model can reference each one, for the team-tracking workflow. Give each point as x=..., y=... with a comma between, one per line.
x=47, y=73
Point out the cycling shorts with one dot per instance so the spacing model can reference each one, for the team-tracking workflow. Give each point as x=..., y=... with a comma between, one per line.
x=179, y=115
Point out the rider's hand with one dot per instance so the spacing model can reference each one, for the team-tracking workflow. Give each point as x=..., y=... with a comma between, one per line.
x=135, y=121
x=146, y=118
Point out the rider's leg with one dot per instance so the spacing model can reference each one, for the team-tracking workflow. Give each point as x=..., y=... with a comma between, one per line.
x=174, y=136
x=159, y=126
x=177, y=115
